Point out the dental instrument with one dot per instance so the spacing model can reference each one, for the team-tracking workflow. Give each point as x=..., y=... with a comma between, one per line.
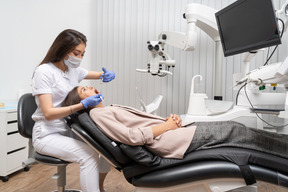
x=101, y=98
x=100, y=89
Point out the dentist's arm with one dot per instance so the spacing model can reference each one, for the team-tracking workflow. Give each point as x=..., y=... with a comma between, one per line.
x=51, y=113
x=94, y=75
x=105, y=75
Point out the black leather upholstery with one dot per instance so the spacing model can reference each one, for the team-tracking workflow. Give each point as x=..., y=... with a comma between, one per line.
x=97, y=134
x=207, y=164
x=141, y=155
x=96, y=145
x=202, y=170
x=26, y=107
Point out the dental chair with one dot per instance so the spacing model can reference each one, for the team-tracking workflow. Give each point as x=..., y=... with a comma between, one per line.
x=213, y=170
x=26, y=107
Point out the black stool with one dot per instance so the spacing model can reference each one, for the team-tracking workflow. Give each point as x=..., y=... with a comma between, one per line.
x=26, y=107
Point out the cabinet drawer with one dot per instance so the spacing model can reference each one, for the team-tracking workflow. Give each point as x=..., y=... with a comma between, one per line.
x=15, y=141
x=12, y=126
x=12, y=116
x=14, y=160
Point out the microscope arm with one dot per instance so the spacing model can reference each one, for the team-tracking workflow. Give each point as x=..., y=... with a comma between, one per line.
x=196, y=15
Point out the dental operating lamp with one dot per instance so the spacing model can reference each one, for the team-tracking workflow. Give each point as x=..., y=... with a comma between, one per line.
x=197, y=15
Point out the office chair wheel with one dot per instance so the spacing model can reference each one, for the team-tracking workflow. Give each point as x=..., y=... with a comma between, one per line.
x=5, y=179
x=27, y=168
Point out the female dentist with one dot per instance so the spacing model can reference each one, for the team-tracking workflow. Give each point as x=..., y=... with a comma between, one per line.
x=52, y=80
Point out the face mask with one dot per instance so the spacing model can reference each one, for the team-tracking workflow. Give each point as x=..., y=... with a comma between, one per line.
x=72, y=62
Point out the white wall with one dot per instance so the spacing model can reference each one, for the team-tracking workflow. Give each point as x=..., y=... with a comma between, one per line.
x=117, y=32
x=28, y=28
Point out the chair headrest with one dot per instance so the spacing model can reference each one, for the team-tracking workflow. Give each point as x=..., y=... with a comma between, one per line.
x=25, y=109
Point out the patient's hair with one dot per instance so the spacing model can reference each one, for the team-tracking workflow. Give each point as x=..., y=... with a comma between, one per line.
x=72, y=98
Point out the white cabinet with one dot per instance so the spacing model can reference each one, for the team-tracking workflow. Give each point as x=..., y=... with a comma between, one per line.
x=13, y=147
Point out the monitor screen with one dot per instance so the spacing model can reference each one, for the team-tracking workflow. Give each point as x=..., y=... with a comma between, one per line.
x=247, y=25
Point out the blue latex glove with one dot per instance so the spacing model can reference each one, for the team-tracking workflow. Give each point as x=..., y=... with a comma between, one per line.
x=92, y=101
x=107, y=76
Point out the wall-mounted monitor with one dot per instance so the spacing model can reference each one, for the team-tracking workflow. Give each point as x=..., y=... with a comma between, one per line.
x=247, y=25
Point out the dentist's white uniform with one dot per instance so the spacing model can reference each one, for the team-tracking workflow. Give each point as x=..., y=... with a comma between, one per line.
x=53, y=138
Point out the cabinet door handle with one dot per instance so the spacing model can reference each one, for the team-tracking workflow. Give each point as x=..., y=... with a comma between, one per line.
x=10, y=122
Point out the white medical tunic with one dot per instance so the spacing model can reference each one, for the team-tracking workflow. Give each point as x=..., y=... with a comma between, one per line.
x=48, y=79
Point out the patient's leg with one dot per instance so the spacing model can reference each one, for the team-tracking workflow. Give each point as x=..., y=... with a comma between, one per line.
x=231, y=134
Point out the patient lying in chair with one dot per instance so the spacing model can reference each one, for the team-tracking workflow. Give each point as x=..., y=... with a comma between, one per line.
x=166, y=137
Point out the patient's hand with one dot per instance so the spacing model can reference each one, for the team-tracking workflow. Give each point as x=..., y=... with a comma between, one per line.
x=174, y=121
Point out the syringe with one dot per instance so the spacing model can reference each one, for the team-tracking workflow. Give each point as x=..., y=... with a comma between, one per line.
x=101, y=83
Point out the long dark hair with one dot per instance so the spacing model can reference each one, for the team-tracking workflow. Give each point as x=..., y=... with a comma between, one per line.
x=64, y=43
x=72, y=97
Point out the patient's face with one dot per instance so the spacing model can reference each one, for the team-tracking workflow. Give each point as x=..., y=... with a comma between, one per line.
x=85, y=92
